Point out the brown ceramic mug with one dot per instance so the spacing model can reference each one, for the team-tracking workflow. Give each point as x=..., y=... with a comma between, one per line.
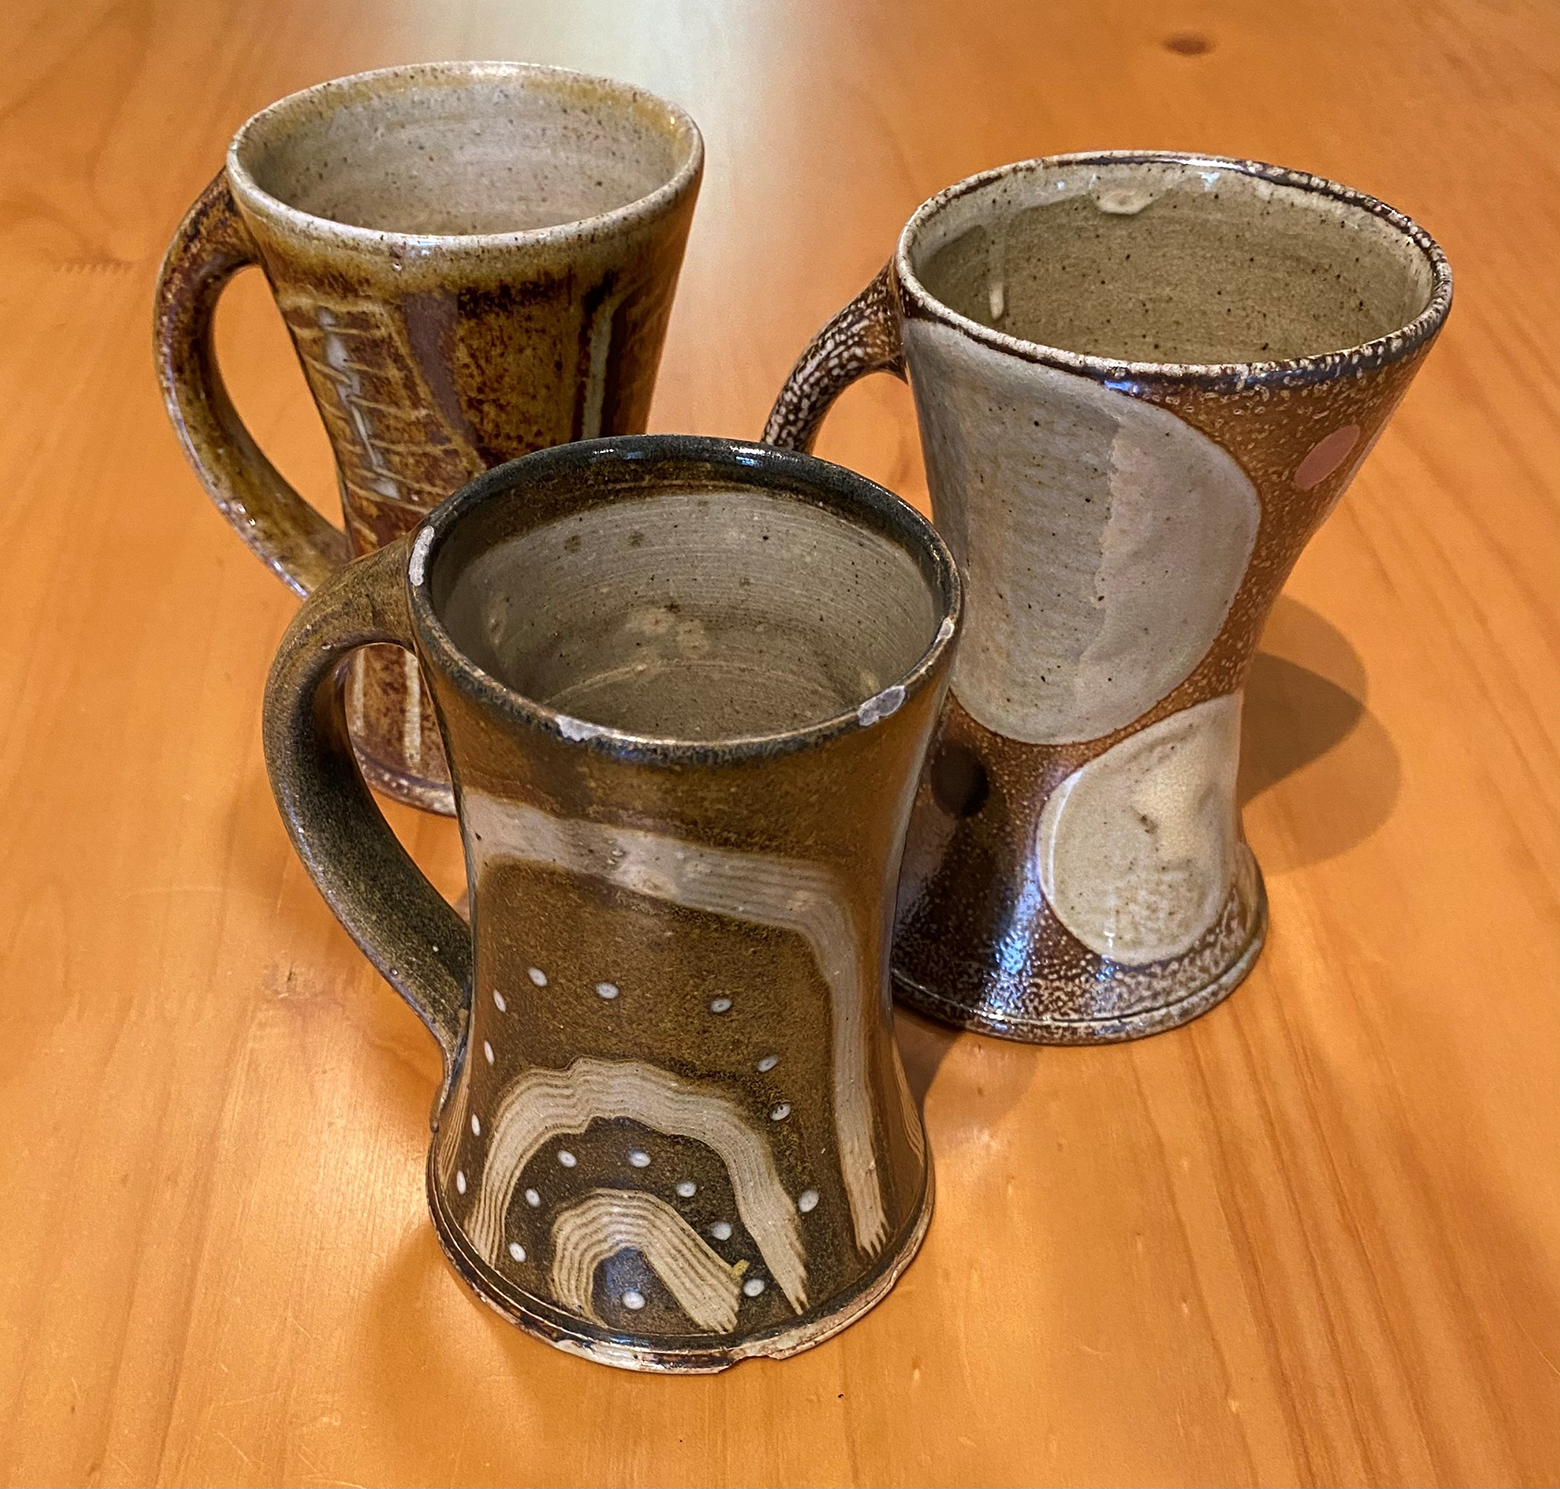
x=686, y=686
x=475, y=260
x=1142, y=381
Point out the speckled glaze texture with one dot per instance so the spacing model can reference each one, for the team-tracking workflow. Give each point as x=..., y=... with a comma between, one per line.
x=1143, y=380
x=475, y=261
x=674, y=1130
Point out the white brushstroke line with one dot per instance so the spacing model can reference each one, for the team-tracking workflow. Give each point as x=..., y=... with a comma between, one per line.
x=798, y=897
x=543, y=1104
x=359, y=667
x=411, y=720
x=596, y=372
x=913, y=1128
x=607, y=1221
x=451, y=1124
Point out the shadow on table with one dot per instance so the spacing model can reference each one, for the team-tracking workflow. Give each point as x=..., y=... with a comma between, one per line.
x=1306, y=704
x=1305, y=707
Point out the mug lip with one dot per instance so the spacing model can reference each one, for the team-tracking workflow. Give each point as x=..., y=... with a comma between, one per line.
x=832, y=487
x=1125, y=375
x=409, y=244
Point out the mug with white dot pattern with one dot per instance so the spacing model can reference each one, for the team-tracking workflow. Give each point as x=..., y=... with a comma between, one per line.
x=686, y=687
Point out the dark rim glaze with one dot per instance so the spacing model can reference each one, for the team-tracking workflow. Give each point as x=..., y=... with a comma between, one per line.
x=341, y=91
x=785, y=473
x=1216, y=377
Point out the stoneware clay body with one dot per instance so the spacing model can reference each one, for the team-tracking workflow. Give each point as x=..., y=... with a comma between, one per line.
x=475, y=260
x=686, y=687
x=1142, y=382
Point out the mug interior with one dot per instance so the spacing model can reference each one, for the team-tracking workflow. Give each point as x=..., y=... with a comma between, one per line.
x=1184, y=261
x=685, y=603
x=460, y=149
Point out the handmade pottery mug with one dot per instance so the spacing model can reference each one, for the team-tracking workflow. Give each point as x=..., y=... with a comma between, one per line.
x=1142, y=381
x=475, y=260
x=686, y=686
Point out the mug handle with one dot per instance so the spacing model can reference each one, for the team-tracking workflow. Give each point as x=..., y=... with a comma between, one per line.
x=211, y=245
x=403, y=924
x=862, y=338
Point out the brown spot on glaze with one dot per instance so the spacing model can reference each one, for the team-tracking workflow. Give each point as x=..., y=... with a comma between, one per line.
x=1325, y=456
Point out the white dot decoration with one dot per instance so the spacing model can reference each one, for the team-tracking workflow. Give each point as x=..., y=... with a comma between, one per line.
x=634, y=1299
x=753, y=1287
x=517, y=1251
x=687, y=1188
x=487, y=1052
x=780, y=1111
x=498, y=1001
x=721, y=1230
x=476, y=1126
x=768, y=1063
x=639, y=1158
x=607, y=990
x=532, y=1198
x=719, y=1005
x=460, y=1180
x=566, y=1158
x=537, y=976
x=807, y=1201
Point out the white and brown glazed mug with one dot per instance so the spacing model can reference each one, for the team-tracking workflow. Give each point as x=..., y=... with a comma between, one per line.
x=686, y=688
x=475, y=260
x=1142, y=380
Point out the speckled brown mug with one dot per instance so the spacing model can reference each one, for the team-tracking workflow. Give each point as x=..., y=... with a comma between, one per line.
x=475, y=260
x=686, y=686
x=1143, y=380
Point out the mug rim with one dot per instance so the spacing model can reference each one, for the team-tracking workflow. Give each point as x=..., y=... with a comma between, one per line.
x=1125, y=375
x=311, y=225
x=831, y=487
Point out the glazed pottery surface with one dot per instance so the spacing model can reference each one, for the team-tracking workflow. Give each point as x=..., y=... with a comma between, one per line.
x=474, y=260
x=686, y=687
x=1142, y=382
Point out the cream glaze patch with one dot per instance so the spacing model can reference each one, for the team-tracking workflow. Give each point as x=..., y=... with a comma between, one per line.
x=1137, y=847
x=1103, y=538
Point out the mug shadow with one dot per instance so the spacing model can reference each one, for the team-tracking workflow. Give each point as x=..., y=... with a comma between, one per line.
x=1306, y=711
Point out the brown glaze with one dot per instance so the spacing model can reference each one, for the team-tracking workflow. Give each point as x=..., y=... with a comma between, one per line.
x=1075, y=870
x=674, y=1130
x=474, y=260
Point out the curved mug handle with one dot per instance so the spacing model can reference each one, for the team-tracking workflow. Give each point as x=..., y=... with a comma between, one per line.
x=862, y=338
x=211, y=245
x=403, y=924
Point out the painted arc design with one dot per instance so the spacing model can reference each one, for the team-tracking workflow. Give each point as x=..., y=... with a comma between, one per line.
x=1103, y=538
x=1137, y=847
x=607, y=1221
x=544, y=1104
x=799, y=897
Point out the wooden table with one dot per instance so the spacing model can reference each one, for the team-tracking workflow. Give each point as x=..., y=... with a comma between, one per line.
x=1313, y=1237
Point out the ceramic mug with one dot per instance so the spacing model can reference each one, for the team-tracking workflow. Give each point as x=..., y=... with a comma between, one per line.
x=475, y=260
x=686, y=686
x=1142, y=382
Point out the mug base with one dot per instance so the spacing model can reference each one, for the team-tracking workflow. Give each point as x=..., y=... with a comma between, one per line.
x=666, y=1356
x=998, y=1018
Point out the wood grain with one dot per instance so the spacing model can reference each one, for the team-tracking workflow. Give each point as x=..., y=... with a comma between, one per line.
x=1313, y=1237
